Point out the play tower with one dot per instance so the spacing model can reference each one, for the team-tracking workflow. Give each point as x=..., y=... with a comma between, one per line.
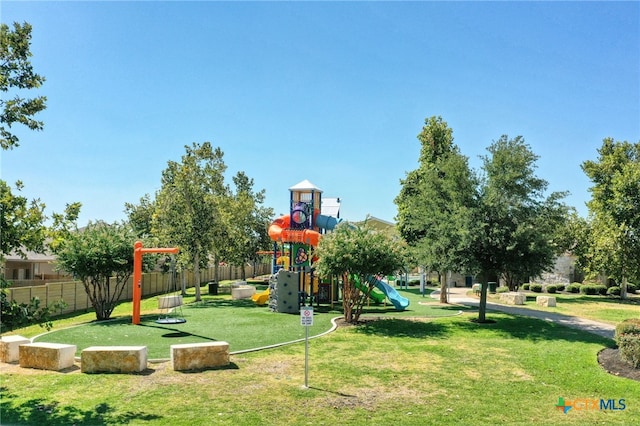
x=299, y=233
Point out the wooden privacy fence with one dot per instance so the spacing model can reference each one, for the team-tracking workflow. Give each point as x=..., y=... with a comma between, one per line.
x=76, y=298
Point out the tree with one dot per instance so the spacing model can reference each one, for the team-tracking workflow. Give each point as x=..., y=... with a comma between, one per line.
x=17, y=315
x=21, y=222
x=22, y=225
x=246, y=223
x=354, y=253
x=16, y=73
x=514, y=223
x=95, y=255
x=141, y=215
x=187, y=211
x=614, y=212
x=435, y=202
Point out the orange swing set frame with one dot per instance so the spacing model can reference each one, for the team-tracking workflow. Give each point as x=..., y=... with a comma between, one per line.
x=138, y=251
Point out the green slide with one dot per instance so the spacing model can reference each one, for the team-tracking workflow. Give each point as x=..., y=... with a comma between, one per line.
x=375, y=295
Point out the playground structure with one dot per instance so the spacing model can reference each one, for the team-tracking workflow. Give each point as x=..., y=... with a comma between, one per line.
x=138, y=251
x=298, y=233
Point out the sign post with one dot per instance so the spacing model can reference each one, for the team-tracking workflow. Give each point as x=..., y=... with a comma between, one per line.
x=306, y=320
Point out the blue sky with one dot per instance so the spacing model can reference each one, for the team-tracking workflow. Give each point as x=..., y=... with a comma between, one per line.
x=332, y=92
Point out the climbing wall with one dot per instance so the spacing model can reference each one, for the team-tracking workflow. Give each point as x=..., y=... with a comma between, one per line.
x=285, y=297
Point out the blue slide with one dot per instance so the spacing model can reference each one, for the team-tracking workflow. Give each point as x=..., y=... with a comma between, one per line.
x=398, y=301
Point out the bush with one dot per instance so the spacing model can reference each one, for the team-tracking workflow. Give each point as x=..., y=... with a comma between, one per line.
x=628, y=326
x=502, y=289
x=613, y=291
x=589, y=289
x=536, y=288
x=627, y=337
x=525, y=286
x=631, y=288
x=16, y=315
x=601, y=289
x=551, y=288
x=574, y=288
x=560, y=287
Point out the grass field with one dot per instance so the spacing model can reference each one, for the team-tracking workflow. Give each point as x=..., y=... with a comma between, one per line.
x=404, y=369
x=611, y=310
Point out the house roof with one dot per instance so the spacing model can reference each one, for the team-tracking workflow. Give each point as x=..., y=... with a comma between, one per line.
x=376, y=223
x=31, y=256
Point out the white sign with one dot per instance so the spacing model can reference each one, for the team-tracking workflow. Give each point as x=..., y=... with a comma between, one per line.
x=306, y=316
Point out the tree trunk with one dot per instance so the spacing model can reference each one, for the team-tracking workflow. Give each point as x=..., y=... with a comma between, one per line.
x=216, y=269
x=196, y=275
x=348, y=290
x=482, y=309
x=443, y=288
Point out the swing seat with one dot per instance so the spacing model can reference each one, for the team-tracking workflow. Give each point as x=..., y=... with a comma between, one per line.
x=170, y=320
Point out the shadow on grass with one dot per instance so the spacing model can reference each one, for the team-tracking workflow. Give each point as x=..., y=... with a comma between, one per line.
x=401, y=328
x=230, y=366
x=223, y=303
x=500, y=324
x=531, y=329
x=176, y=332
x=50, y=412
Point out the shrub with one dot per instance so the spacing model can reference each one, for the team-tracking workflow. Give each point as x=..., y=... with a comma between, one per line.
x=628, y=326
x=560, y=287
x=414, y=283
x=601, y=289
x=502, y=289
x=525, y=286
x=589, y=289
x=574, y=288
x=551, y=288
x=627, y=337
x=536, y=288
x=613, y=291
x=631, y=288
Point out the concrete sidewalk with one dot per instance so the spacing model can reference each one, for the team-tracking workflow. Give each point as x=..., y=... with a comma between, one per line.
x=459, y=295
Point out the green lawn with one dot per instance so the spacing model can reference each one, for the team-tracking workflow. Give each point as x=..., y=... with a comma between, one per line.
x=241, y=323
x=611, y=310
x=407, y=369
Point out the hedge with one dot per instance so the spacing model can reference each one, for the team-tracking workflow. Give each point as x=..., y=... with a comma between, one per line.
x=627, y=337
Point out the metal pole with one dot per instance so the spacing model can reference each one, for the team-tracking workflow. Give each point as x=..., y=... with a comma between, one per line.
x=306, y=357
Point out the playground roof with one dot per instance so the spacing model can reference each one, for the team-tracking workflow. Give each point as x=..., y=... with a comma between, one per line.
x=304, y=185
x=330, y=207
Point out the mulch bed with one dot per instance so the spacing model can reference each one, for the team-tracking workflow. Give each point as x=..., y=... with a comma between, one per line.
x=610, y=360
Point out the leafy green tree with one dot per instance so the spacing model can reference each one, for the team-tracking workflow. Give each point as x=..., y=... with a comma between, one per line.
x=614, y=211
x=140, y=216
x=435, y=203
x=349, y=252
x=21, y=222
x=16, y=74
x=187, y=211
x=246, y=223
x=514, y=224
x=17, y=315
x=101, y=256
